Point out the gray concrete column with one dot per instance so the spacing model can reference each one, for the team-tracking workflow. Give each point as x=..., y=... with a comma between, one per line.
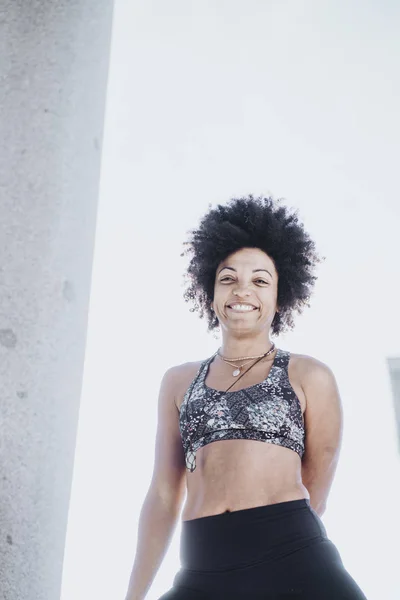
x=54, y=58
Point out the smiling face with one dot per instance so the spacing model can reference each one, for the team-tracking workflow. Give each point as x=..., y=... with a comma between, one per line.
x=245, y=291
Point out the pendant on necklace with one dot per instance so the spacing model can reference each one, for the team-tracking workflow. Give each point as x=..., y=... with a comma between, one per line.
x=236, y=372
x=191, y=460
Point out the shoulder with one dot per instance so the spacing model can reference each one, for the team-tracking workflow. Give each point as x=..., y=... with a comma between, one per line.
x=180, y=377
x=319, y=386
x=307, y=363
x=309, y=368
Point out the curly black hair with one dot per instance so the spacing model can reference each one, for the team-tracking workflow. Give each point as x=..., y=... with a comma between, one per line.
x=250, y=222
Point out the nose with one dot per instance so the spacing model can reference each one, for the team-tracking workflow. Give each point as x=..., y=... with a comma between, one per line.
x=242, y=292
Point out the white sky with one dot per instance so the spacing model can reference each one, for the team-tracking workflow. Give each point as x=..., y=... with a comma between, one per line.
x=208, y=100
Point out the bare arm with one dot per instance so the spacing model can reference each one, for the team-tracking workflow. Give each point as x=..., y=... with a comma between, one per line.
x=164, y=498
x=324, y=426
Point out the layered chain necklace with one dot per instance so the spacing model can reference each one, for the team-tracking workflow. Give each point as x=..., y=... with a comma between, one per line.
x=238, y=368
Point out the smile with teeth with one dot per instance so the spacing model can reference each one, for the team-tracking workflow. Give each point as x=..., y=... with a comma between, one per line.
x=242, y=307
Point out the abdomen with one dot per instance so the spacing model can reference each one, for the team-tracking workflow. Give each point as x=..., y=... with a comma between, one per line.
x=239, y=474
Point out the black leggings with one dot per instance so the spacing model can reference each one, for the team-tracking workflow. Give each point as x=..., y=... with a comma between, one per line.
x=274, y=552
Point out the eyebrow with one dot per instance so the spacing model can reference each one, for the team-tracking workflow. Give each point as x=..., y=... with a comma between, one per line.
x=254, y=270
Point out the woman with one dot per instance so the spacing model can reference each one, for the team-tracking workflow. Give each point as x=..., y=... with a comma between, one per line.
x=252, y=433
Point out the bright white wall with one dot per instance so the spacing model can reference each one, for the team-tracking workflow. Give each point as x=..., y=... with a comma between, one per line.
x=208, y=100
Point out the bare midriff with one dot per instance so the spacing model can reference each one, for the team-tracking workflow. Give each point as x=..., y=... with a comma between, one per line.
x=233, y=475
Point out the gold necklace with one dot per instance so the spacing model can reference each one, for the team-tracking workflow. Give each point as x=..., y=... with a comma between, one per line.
x=238, y=368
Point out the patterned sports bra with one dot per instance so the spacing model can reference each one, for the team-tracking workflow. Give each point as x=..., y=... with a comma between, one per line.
x=269, y=411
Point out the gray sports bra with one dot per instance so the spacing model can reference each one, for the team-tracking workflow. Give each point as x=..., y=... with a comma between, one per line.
x=269, y=411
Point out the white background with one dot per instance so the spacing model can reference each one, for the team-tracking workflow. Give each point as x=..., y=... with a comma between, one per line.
x=209, y=100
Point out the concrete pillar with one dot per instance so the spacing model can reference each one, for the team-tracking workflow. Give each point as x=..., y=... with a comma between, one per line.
x=54, y=58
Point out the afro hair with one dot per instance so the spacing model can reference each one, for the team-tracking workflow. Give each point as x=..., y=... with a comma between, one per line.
x=252, y=223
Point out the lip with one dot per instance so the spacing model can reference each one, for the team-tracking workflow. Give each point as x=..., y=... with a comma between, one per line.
x=244, y=303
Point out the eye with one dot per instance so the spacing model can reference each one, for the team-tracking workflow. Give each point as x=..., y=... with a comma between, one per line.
x=227, y=278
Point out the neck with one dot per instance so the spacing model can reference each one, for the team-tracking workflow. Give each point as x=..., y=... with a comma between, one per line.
x=233, y=347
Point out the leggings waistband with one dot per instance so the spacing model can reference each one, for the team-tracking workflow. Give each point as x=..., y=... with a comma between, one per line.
x=248, y=514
